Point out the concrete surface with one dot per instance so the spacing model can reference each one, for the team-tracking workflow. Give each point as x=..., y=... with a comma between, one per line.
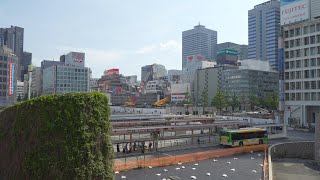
x=243, y=166
x=294, y=169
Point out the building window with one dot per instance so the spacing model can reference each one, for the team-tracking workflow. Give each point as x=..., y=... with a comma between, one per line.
x=298, y=85
x=287, y=96
x=298, y=42
x=306, y=30
x=298, y=64
x=298, y=74
x=286, y=44
x=318, y=49
x=292, y=86
x=306, y=40
x=306, y=63
x=298, y=53
x=312, y=28
x=313, y=62
x=286, y=76
x=298, y=96
x=287, y=86
x=307, y=96
x=286, y=55
x=306, y=51
x=318, y=27
x=313, y=85
x=297, y=31
x=306, y=74
x=292, y=33
x=313, y=96
x=292, y=54
x=306, y=85
x=291, y=43
x=293, y=97
x=292, y=63
x=286, y=34
x=313, y=51
x=292, y=75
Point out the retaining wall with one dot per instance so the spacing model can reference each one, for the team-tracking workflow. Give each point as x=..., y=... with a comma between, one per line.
x=300, y=150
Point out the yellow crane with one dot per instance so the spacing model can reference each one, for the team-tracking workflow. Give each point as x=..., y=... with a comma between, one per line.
x=130, y=102
x=161, y=102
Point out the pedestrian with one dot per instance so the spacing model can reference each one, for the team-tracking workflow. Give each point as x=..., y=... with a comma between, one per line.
x=134, y=146
x=150, y=145
x=198, y=140
x=118, y=148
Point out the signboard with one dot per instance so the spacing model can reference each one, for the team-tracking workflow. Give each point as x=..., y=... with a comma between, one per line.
x=11, y=79
x=294, y=11
x=228, y=51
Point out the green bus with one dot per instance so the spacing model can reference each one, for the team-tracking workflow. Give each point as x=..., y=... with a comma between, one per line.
x=243, y=137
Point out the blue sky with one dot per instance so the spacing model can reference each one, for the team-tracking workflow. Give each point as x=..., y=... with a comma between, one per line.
x=125, y=34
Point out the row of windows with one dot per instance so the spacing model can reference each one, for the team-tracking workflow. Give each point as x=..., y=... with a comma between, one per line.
x=306, y=63
x=305, y=30
x=302, y=41
x=313, y=73
x=306, y=85
x=251, y=135
x=308, y=96
x=302, y=52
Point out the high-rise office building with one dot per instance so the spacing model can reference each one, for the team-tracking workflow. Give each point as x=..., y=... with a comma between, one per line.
x=199, y=41
x=152, y=72
x=13, y=38
x=242, y=49
x=25, y=62
x=8, y=76
x=263, y=29
x=70, y=76
x=300, y=67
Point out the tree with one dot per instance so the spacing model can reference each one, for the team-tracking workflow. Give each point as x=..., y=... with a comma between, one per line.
x=272, y=102
x=253, y=101
x=186, y=102
x=219, y=100
x=234, y=102
x=204, y=98
x=19, y=99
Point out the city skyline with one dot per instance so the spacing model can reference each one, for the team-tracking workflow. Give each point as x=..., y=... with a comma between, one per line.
x=105, y=35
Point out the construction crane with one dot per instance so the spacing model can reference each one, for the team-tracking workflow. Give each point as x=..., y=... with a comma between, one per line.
x=131, y=101
x=161, y=102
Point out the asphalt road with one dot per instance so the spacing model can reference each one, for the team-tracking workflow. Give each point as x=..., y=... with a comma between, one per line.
x=245, y=168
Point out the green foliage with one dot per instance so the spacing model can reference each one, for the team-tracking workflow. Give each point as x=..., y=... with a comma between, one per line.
x=219, y=101
x=272, y=102
x=57, y=137
x=233, y=101
x=204, y=97
x=187, y=99
x=19, y=99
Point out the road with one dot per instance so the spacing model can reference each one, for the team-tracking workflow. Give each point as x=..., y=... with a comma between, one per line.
x=244, y=166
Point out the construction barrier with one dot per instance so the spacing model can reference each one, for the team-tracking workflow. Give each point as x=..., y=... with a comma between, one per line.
x=185, y=158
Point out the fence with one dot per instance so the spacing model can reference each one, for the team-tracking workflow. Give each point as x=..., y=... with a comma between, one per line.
x=170, y=160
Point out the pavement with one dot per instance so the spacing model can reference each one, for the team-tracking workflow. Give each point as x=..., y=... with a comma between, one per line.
x=246, y=167
x=295, y=169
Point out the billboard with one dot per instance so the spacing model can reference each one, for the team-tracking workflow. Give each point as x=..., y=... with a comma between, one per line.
x=294, y=11
x=11, y=79
x=75, y=58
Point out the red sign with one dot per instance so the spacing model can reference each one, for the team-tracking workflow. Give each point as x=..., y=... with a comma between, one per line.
x=112, y=72
x=10, y=79
x=190, y=58
x=199, y=57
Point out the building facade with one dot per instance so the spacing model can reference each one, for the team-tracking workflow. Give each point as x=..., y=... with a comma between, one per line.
x=25, y=62
x=175, y=76
x=72, y=76
x=178, y=92
x=20, y=90
x=192, y=66
x=240, y=48
x=252, y=78
x=227, y=56
x=152, y=72
x=36, y=81
x=263, y=32
x=199, y=41
x=8, y=76
x=13, y=38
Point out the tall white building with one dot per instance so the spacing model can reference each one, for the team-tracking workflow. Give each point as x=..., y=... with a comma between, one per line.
x=199, y=41
x=300, y=70
x=192, y=66
x=20, y=92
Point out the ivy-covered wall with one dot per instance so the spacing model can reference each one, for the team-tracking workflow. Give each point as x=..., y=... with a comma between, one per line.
x=57, y=137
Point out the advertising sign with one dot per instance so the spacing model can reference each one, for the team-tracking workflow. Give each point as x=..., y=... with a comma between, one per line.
x=11, y=79
x=294, y=11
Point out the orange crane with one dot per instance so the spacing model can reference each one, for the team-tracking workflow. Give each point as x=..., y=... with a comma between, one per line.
x=161, y=102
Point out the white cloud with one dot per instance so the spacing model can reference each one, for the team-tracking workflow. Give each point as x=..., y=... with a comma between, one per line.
x=146, y=49
x=170, y=45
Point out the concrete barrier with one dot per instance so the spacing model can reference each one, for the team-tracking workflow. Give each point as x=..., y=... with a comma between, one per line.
x=301, y=150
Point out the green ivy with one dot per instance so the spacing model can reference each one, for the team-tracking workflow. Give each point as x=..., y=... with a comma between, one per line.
x=57, y=137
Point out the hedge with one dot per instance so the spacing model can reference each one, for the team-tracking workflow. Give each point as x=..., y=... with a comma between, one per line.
x=57, y=137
